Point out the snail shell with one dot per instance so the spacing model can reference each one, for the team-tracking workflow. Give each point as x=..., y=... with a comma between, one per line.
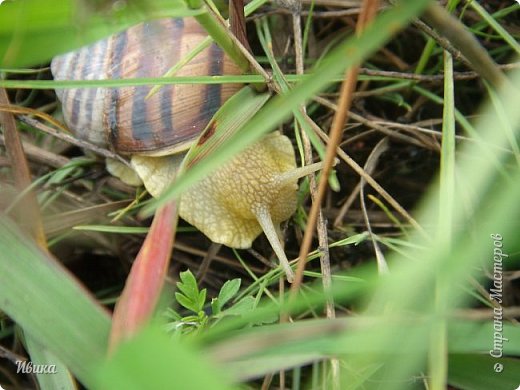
x=122, y=118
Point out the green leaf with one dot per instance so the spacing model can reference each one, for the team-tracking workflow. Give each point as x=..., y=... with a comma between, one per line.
x=33, y=31
x=152, y=360
x=228, y=291
x=242, y=307
x=477, y=372
x=237, y=111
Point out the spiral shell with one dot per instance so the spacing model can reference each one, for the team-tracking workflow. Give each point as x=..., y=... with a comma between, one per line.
x=122, y=118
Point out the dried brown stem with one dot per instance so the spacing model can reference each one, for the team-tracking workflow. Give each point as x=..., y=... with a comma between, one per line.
x=438, y=78
x=237, y=22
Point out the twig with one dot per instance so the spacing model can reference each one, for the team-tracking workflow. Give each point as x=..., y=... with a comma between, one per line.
x=40, y=155
x=422, y=142
x=206, y=261
x=72, y=140
x=321, y=225
x=221, y=259
x=438, y=78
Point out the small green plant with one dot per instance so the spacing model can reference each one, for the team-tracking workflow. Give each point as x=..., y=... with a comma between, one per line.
x=201, y=313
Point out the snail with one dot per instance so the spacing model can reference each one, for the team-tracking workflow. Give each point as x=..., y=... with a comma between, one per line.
x=254, y=192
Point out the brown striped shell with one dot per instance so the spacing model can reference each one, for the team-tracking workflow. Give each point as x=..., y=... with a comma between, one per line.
x=122, y=118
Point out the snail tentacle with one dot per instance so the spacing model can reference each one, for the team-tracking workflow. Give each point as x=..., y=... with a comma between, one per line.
x=273, y=236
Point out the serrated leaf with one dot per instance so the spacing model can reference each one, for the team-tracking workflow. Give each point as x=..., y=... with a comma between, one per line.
x=186, y=302
x=188, y=285
x=228, y=291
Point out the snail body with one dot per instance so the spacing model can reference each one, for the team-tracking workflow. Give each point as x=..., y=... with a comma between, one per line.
x=254, y=192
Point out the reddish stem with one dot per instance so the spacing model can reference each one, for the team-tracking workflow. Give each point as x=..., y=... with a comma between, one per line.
x=145, y=281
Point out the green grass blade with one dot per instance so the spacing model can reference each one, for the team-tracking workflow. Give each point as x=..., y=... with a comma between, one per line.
x=438, y=345
x=224, y=125
x=325, y=338
x=505, y=124
x=113, y=229
x=49, y=304
x=220, y=34
x=54, y=84
x=496, y=26
x=33, y=31
x=58, y=376
x=447, y=167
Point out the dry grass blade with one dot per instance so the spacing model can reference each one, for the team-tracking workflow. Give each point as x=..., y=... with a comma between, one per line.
x=368, y=12
x=369, y=167
x=6, y=107
x=29, y=214
x=61, y=222
x=237, y=22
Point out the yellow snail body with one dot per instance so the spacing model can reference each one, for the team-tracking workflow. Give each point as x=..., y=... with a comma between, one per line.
x=255, y=191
